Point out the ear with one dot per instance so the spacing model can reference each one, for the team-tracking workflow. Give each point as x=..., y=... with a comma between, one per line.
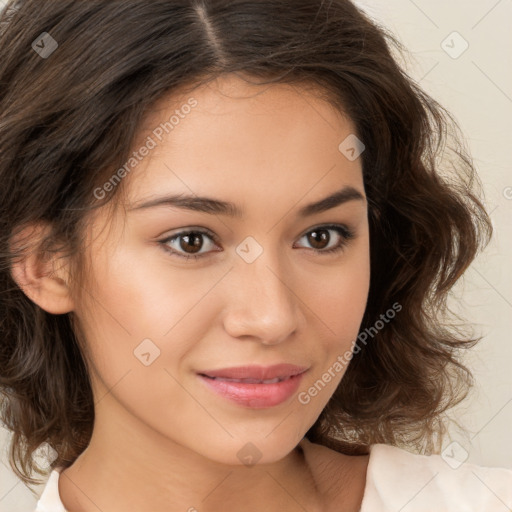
x=44, y=278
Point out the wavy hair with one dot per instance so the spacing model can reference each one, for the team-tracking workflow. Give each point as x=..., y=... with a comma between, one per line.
x=68, y=120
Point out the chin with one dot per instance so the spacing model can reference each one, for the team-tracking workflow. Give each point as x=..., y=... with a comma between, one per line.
x=251, y=451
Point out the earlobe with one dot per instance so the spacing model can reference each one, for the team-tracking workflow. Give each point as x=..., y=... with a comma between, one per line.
x=44, y=280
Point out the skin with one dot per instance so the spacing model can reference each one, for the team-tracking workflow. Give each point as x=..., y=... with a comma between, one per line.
x=162, y=440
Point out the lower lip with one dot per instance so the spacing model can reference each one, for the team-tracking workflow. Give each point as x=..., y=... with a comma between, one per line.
x=257, y=396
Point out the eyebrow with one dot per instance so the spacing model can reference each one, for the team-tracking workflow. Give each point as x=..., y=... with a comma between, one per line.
x=218, y=207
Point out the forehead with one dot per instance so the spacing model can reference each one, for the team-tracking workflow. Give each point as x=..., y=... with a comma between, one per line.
x=230, y=137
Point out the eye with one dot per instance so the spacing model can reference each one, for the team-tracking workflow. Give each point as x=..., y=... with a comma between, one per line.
x=319, y=238
x=193, y=240
x=187, y=240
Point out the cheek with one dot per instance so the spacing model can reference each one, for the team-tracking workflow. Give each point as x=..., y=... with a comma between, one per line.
x=338, y=301
x=138, y=312
x=343, y=295
x=340, y=306
x=137, y=297
x=130, y=318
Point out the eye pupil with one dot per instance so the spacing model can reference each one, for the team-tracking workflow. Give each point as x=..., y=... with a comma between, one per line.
x=324, y=236
x=196, y=244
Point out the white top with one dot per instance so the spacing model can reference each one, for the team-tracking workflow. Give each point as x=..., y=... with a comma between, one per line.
x=397, y=480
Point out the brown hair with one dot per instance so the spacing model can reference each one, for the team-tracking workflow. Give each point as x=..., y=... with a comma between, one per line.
x=69, y=119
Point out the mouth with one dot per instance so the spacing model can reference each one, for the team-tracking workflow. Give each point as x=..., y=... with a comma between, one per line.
x=255, y=387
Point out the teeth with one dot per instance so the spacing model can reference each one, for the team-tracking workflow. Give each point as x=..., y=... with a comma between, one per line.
x=251, y=381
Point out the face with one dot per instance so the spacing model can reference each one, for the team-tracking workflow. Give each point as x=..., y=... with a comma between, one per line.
x=175, y=292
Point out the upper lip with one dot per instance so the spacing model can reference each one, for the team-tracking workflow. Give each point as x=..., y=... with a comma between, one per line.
x=282, y=370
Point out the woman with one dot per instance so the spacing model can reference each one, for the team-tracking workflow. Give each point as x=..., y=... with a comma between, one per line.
x=227, y=243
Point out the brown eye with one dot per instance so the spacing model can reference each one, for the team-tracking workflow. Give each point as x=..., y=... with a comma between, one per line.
x=188, y=244
x=192, y=242
x=320, y=238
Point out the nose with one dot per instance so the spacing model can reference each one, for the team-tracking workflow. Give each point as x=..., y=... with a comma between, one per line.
x=261, y=303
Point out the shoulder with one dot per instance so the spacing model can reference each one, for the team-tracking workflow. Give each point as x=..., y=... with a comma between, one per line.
x=399, y=480
x=49, y=500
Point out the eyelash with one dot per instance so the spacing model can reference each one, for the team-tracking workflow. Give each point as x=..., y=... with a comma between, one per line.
x=345, y=233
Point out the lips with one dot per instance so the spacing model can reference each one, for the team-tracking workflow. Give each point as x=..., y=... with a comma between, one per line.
x=255, y=374
x=256, y=387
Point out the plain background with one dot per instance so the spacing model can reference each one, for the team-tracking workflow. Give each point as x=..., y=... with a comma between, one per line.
x=476, y=87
